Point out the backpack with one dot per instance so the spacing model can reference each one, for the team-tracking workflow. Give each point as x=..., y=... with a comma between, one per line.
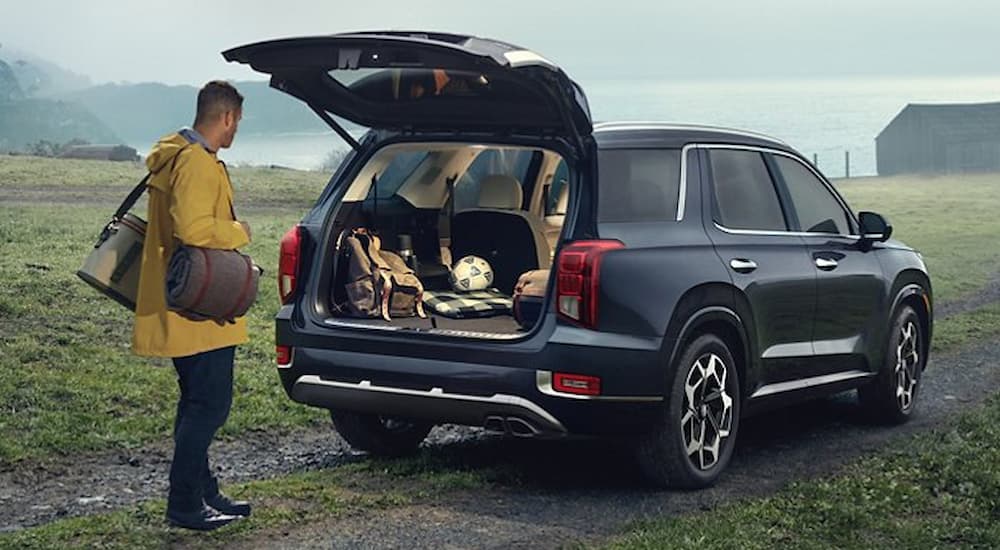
x=377, y=283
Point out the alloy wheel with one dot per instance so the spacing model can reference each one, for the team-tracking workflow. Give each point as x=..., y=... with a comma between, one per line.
x=907, y=363
x=708, y=411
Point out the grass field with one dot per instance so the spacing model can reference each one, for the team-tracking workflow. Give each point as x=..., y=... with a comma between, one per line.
x=69, y=385
x=937, y=490
x=281, y=505
x=952, y=220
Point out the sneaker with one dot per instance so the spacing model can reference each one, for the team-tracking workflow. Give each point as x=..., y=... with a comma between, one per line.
x=205, y=519
x=228, y=506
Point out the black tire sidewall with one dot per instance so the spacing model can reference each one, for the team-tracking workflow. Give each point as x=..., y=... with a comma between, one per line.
x=663, y=453
x=881, y=396
x=368, y=433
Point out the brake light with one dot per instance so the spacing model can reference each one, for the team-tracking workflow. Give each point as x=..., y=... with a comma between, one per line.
x=283, y=355
x=288, y=263
x=578, y=280
x=576, y=383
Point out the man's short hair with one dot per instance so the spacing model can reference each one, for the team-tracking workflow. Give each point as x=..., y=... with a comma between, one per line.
x=216, y=98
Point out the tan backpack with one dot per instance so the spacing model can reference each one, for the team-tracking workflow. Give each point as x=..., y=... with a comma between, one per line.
x=378, y=283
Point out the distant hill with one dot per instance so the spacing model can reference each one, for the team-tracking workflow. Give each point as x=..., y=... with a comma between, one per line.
x=133, y=113
x=39, y=77
x=140, y=113
x=10, y=89
x=28, y=121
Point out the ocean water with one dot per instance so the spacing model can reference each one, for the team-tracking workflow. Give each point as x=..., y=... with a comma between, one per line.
x=821, y=117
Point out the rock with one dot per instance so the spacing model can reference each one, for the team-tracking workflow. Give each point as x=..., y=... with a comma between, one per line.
x=86, y=501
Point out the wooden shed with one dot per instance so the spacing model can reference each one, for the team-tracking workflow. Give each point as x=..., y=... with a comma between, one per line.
x=101, y=152
x=941, y=139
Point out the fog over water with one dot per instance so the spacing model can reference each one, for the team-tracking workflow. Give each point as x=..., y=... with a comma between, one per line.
x=824, y=75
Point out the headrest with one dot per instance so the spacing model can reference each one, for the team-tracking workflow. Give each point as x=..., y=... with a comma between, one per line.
x=501, y=192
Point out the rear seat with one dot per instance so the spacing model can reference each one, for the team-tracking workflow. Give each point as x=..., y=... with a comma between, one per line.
x=512, y=240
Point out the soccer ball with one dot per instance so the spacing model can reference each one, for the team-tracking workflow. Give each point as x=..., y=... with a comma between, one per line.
x=471, y=273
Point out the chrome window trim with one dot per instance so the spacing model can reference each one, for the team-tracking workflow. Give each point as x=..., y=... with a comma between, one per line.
x=781, y=233
x=543, y=380
x=682, y=188
x=815, y=172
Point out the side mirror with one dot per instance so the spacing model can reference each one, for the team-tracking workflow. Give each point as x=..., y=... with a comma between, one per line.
x=874, y=227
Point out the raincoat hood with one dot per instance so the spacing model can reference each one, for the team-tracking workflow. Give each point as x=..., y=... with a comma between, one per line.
x=164, y=153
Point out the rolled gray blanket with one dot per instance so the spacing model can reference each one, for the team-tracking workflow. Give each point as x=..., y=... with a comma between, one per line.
x=205, y=283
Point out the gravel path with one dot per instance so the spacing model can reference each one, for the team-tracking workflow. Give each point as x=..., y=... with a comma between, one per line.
x=98, y=483
x=565, y=491
x=986, y=295
x=574, y=492
x=569, y=491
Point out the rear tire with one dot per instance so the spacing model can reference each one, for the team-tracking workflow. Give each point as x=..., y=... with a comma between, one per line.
x=891, y=397
x=694, y=436
x=379, y=436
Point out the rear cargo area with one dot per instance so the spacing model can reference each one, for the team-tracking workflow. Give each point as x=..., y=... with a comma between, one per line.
x=448, y=238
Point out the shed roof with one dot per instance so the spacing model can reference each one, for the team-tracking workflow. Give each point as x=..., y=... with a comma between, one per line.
x=955, y=119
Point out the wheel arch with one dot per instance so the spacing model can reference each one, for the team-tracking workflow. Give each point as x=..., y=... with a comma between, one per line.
x=723, y=320
x=912, y=288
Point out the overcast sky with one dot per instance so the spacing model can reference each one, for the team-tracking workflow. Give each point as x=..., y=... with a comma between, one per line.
x=178, y=41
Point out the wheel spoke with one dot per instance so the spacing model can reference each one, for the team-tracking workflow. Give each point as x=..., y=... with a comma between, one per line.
x=707, y=410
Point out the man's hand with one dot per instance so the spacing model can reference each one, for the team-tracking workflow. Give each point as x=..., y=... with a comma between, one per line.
x=246, y=227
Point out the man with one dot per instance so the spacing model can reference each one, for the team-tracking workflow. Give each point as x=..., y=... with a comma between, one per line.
x=190, y=201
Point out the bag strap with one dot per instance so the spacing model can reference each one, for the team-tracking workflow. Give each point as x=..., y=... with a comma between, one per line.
x=140, y=188
x=132, y=198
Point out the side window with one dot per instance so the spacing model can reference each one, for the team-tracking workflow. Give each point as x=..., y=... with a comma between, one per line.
x=745, y=196
x=817, y=209
x=638, y=185
x=491, y=162
x=397, y=172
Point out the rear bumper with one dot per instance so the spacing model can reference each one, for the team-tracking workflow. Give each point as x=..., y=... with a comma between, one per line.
x=503, y=386
x=498, y=412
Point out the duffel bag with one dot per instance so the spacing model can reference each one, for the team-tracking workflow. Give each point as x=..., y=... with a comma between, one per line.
x=529, y=296
x=206, y=283
x=377, y=282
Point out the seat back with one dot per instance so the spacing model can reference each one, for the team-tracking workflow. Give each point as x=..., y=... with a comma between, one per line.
x=510, y=239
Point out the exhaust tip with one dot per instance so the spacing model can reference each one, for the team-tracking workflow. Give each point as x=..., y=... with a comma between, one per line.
x=495, y=424
x=520, y=427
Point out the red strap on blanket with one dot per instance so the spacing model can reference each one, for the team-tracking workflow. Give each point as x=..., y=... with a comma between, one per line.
x=204, y=284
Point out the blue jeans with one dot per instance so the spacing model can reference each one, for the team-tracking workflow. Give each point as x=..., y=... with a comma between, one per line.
x=206, y=382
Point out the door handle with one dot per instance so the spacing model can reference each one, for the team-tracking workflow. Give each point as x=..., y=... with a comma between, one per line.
x=826, y=264
x=740, y=265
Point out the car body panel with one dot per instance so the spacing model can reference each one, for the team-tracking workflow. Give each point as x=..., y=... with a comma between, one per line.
x=393, y=80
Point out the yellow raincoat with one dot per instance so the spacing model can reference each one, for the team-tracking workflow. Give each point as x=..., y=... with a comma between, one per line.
x=190, y=198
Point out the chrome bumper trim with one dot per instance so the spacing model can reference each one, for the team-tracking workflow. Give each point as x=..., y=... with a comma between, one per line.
x=434, y=404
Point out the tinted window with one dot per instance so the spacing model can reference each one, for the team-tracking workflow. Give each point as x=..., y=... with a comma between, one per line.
x=817, y=209
x=638, y=185
x=397, y=172
x=745, y=197
x=491, y=162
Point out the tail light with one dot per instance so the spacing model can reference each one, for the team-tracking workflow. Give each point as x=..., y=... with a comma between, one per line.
x=288, y=263
x=578, y=280
x=576, y=383
x=283, y=356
